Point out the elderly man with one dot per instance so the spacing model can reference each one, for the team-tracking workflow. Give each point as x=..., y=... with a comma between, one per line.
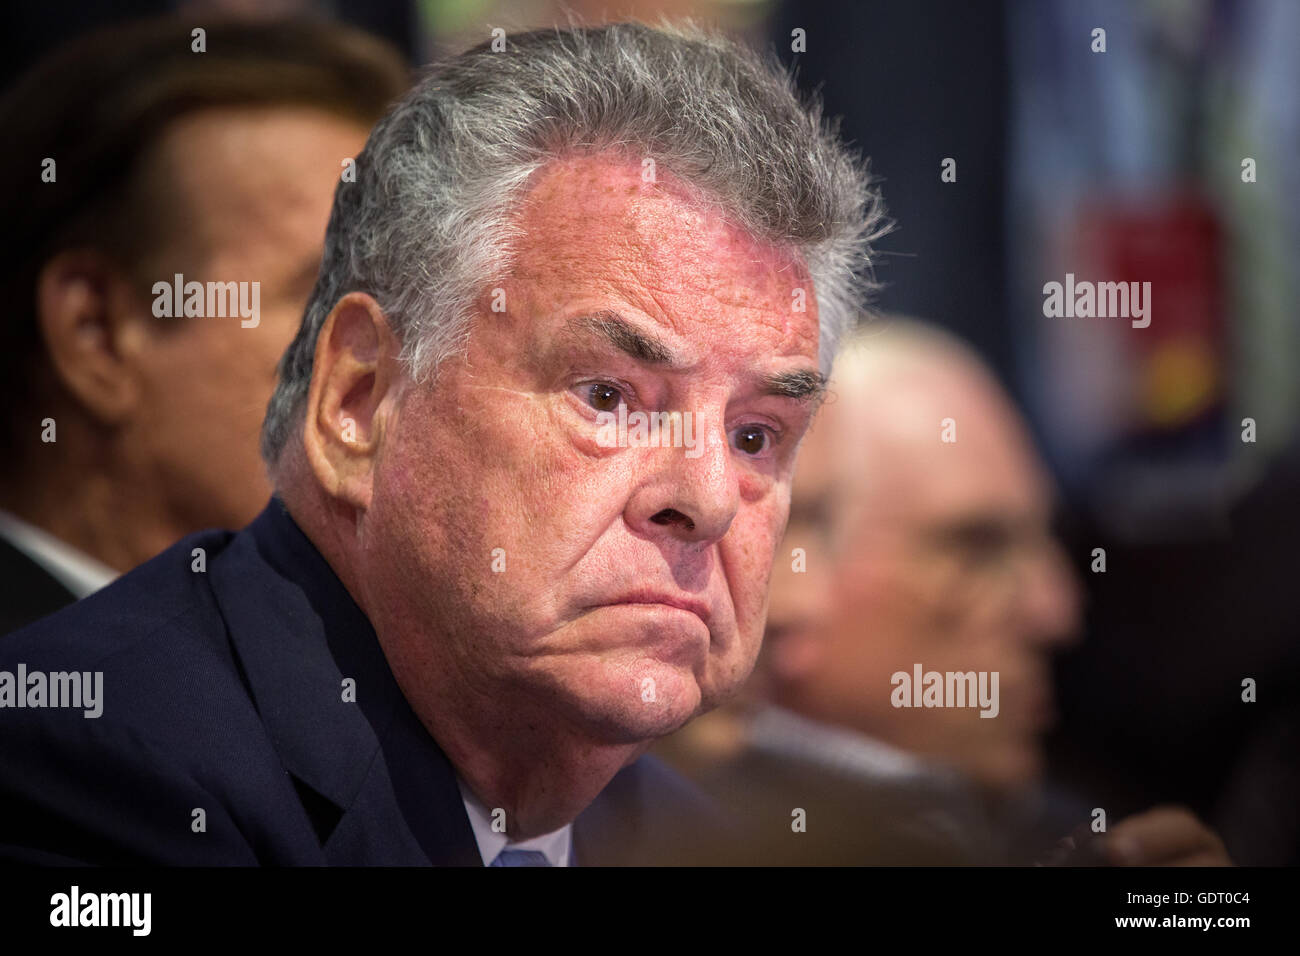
x=129, y=419
x=919, y=544
x=473, y=604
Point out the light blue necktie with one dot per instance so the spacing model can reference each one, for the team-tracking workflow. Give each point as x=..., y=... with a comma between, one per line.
x=521, y=858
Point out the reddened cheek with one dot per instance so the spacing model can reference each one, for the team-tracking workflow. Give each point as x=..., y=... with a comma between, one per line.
x=748, y=551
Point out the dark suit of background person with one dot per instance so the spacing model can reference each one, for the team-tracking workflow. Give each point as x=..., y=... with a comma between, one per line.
x=867, y=803
x=255, y=732
x=31, y=591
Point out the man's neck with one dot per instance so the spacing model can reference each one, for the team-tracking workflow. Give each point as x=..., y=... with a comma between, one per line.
x=541, y=777
x=91, y=511
x=540, y=767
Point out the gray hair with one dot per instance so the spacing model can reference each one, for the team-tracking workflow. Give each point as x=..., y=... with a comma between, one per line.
x=429, y=218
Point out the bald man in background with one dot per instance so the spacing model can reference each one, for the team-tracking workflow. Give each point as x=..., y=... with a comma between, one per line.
x=133, y=158
x=919, y=534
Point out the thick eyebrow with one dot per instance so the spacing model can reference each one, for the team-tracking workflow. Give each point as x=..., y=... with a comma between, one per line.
x=803, y=385
x=626, y=337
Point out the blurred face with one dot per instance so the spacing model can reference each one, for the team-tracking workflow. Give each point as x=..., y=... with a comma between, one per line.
x=247, y=195
x=926, y=552
x=621, y=584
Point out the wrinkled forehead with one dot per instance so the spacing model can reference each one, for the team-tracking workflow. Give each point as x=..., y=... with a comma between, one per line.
x=609, y=223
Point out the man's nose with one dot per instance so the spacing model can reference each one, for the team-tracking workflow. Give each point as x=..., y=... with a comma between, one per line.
x=690, y=497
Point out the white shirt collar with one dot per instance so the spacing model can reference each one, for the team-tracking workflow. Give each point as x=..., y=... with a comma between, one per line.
x=783, y=731
x=556, y=846
x=75, y=570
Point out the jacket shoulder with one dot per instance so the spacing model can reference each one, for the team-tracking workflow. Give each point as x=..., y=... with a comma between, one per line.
x=164, y=727
x=165, y=590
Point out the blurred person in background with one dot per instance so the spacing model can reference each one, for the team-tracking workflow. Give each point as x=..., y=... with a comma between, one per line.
x=919, y=535
x=1169, y=157
x=135, y=157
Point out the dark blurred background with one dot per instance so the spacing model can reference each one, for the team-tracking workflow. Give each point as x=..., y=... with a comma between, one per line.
x=1126, y=164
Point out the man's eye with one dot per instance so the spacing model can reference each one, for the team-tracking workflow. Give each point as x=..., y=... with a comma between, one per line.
x=751, y=439
x=603, y=397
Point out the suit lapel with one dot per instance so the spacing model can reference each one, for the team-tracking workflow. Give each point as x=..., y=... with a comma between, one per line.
x=299, y=636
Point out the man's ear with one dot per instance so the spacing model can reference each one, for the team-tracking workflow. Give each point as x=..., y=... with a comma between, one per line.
x=93, y=331
x=355, y=369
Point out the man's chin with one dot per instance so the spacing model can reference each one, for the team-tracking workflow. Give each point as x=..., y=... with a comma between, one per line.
x=653, y=701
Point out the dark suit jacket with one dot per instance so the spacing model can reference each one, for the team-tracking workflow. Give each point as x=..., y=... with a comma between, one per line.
x=222, y=692
x=30, y=592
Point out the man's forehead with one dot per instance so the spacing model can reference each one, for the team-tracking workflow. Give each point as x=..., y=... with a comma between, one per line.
x=932, y=452
x=590, y=198
x=599, y=223
x=220, y=169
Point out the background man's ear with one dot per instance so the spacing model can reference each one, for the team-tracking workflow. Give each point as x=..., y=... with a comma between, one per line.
x=354, y=371
x=93, y=328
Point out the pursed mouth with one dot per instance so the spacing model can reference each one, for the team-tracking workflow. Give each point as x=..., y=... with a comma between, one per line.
x=653, y=599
